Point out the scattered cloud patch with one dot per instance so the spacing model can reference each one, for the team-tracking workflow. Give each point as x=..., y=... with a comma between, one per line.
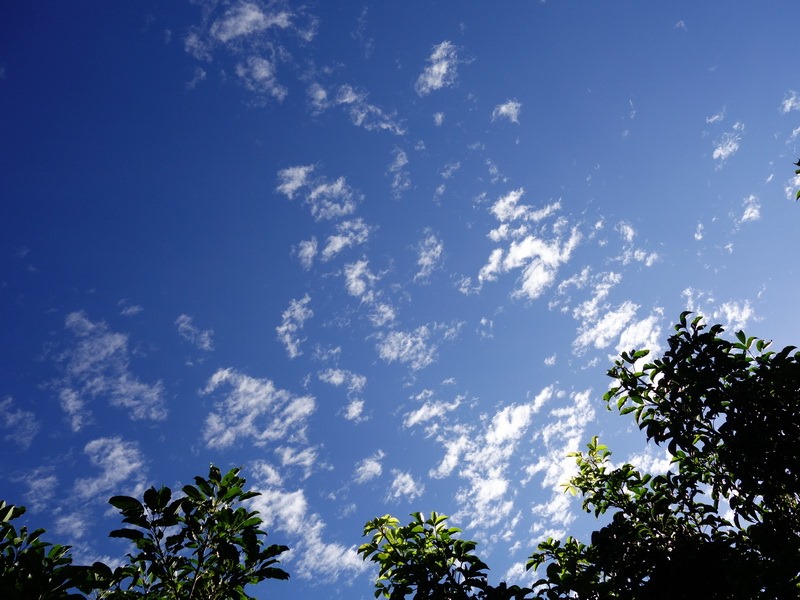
x=247, y=18
x=791, y=101
x=97, y=365
x=348, y=234
x=255, y=409
x=325, y=199
x=728, y=144
x=20, y=426
x=401, y=181
x=415, y=348
x=404, y=486
x=200, y=338
x=751, y=210
x=121, y=464
x=293, y=319
x=430, y=254
x=441, y=70
x=369, y=468
x=509, y=110
x=258, y=75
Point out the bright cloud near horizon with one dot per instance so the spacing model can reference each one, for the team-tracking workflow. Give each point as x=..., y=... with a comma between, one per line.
x=380, y=256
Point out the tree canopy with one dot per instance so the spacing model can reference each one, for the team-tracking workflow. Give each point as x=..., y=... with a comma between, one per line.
x=203, y=544
x=723, y=522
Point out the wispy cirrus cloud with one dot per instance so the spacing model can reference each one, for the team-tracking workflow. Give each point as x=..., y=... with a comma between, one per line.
x=288, y=512
x=96, y=364
x=202, y=339
x=20, y=426
x=354, y=101
x=728, y=144
x=121, y=464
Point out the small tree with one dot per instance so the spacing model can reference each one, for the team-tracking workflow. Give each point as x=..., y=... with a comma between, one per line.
x=725, y=521
x=31, y=568
x=425, y=560
x=201, y=545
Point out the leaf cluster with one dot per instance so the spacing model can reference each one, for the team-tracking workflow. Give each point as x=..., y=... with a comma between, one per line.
x=426, y=560
x=31, y=567
x=200, y=545
x=726, y=515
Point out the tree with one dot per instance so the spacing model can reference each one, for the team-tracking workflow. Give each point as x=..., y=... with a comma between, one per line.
x=724, y=522
x=31, y=568
x=198, y=546
x=202, y=545
x=426, y=559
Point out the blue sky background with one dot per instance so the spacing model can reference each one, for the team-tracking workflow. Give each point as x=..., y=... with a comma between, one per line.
x=380, y=255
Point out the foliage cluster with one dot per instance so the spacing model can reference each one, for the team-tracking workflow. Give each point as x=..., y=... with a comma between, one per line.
x=201, y=545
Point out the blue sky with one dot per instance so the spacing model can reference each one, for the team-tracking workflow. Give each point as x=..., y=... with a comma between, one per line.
x=379, y=255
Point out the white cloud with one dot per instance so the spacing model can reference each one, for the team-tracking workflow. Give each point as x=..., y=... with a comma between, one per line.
x=431, y=410
x=728, y=144
x=294, y=178
x=752, y=210
x=509, y=110
x=438, y=119
x=326, y=200
x=363, y=114
x=601, y=332
x=294, y=317
x=717, y=117
x=246, y=18
x=791, y=101
x=642, y=335
x=440, y=71
x=21, y=425
x=254, y=408
x=415, y=347
x=734, y=315
x=97, y=364
x=259, y=76
x=354, y=411
x=121, y=464
x=359, y=280
x=318, y=560
x=563, y=435
x=430, y=252
x=127, y=309
x=404, y=486
x=306, y=251
x=348, y=233
x=401, y=181
x=201, y=338
x=483, y=460
x=337, y=377
x=369, y=468
x=42, y=483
